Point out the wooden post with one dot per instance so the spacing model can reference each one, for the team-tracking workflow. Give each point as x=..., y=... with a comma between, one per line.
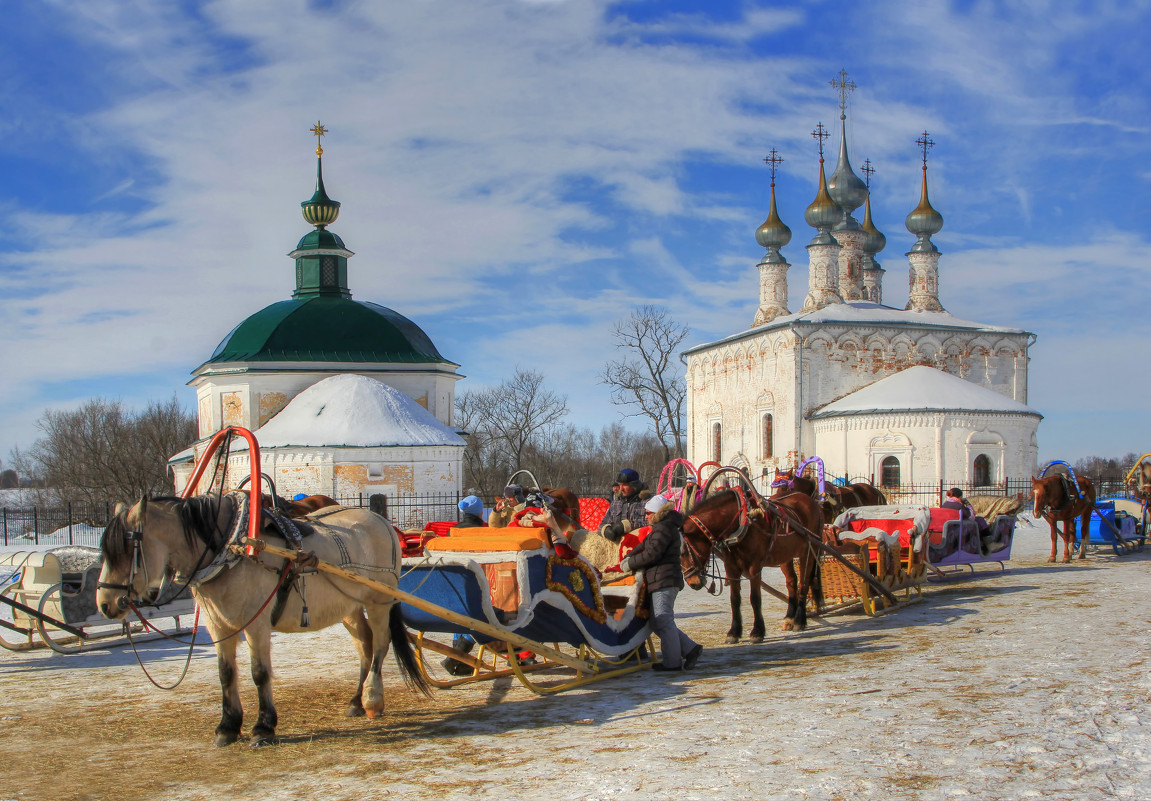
x=379, y=504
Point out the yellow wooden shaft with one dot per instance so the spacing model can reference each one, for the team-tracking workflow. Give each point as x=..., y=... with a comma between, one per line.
x=481, y=626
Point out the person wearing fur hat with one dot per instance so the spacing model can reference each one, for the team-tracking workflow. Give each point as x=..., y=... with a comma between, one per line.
x=658, y=557
x=513, y=500
x=625, y=513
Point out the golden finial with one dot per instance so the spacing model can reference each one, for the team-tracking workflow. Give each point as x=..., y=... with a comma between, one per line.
x=319, y=130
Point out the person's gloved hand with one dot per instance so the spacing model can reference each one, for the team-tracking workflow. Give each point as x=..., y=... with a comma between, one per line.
x=614, y=531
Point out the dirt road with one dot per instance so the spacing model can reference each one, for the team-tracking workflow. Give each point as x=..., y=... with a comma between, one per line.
x=1028, y=683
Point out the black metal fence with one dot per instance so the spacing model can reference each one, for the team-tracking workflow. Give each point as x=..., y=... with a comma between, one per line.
x=83, y=523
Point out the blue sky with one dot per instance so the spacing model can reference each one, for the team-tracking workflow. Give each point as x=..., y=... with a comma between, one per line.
x=516, y=176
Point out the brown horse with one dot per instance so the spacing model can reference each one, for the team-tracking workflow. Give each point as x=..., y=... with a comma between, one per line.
x=751, y=536
x=1053, y=502
x=838, y=498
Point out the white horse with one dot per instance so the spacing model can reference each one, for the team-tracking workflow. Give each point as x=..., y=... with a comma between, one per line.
x=187, y=540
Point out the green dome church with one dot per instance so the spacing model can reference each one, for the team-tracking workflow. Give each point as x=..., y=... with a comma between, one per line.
x=285, y=348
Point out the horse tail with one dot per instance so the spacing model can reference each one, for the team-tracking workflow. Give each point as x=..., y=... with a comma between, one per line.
x=405, y=656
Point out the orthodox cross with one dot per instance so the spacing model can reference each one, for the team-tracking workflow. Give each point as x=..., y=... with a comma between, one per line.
x=820, y=133
x=867, y=170
x=773, y=160
x=844, y=87
x=925, y=143
x=319, y=130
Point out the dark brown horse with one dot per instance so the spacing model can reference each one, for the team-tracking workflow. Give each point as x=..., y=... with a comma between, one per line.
x=838, y=498
x=1054, y=502
x=748, y=536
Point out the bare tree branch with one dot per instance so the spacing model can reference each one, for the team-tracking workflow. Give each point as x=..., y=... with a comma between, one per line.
x=651, y=381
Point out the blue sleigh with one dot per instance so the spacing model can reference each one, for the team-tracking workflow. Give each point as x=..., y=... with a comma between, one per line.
x=531, y=601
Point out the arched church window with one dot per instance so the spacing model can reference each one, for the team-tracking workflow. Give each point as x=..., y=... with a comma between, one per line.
x=716, y=442
x=889, y=472
x=981, y=472
x=768, y=434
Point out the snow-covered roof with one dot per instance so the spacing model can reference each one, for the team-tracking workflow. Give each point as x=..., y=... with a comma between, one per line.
x=857, y=313
x=922, y=388
x=354, y=411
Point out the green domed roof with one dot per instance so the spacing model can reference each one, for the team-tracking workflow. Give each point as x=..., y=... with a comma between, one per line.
x=326, y=329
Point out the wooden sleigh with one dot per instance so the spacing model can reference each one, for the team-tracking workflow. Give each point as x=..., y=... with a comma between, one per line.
x=48, y=598
x=510, y=580
x=887, y=544
x=954, y=543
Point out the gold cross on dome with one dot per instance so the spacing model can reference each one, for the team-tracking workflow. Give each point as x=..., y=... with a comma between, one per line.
x=925, y=143
x=319, y=130
x=867, y=170
x=820, y=133
x=844, y=87
x=773, y=160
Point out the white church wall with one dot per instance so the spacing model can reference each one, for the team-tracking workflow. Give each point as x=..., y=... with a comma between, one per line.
x=726, y=385
x=929, y=447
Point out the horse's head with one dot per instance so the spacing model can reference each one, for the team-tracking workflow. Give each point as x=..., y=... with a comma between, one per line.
x=145, y=544
x=1041, y=494
x=714, y=518
x=133, y=567
x=784, y=479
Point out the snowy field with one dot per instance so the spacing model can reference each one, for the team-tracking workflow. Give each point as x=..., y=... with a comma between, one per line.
x=1031, y=683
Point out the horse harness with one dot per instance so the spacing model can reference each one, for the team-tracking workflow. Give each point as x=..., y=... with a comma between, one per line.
x=725, y=544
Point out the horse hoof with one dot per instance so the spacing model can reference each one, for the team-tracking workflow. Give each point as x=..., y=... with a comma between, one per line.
x=354, y=712
x=262, y=740
x=225, y=739
x=755, y=639
x=1052, y=559
x=374, y=713
x=731, y=639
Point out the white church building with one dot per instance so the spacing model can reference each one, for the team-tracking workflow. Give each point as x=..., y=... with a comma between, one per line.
x=345, y=397
x=898, y=396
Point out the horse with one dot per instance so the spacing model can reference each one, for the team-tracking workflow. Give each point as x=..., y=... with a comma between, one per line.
x=764, y=536
x=838, y=498
x=186, y=541
x=1053, y=502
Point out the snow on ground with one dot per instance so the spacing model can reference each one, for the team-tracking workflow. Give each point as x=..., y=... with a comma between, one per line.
x=1030, y=683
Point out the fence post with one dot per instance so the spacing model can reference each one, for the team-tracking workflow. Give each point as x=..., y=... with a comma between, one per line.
x=36, y=524
x=70, y=523
x=378, y=504
x=5, y=525
x=940, y=503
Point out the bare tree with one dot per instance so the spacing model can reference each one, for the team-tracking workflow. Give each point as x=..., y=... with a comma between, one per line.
x=648, y=379
x=102, y=451
x=504, y=420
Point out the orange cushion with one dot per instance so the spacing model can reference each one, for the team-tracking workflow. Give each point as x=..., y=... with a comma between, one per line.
x=486, y=540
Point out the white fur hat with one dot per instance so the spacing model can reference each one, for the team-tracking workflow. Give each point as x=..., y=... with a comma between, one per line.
x=656, y=503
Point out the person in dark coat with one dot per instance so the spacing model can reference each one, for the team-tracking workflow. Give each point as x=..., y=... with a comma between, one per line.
x=658, y=557
x=626, y=512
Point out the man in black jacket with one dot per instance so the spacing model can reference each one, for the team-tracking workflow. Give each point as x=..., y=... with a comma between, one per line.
x=658, y=557
x=626, y=511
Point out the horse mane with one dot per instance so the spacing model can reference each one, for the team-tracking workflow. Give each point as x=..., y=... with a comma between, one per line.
x=197, y=518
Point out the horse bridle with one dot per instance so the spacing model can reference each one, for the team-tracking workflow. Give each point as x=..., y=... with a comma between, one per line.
x=135, y=539
x=718, y=544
